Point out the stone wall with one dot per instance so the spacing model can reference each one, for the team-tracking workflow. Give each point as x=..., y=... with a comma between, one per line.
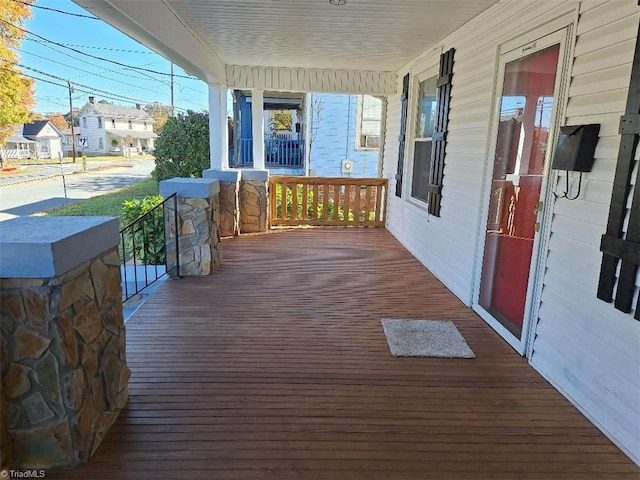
x=63, y=365
x=229, y=199
x=198, y=226
x=199, y=239
x=253, y=206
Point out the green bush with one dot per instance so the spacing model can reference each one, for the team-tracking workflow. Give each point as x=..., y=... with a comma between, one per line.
x=182, y=148
x=143, y=240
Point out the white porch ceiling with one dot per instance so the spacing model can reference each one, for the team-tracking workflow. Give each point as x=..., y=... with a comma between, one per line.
x=379, y=35
x=209, y=38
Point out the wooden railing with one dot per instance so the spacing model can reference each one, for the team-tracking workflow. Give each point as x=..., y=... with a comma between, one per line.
x=327, y=201
x=278, y=153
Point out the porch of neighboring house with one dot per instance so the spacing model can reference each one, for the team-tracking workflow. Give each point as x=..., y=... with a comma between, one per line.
x=277, y=367
x=283, y=128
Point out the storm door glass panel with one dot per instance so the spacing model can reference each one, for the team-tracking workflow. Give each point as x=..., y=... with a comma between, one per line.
x=521, y=145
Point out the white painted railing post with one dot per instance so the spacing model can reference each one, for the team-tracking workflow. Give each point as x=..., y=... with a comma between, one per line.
x=257, y=125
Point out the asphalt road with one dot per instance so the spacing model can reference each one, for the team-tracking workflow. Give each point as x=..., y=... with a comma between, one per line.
x=44, y=191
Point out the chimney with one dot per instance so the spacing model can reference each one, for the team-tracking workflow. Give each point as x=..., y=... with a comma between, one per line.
x=138, y=106
x=92, y=100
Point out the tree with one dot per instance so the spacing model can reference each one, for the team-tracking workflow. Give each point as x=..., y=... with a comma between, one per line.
x=58, y=120
x=16, y=91
x=182, y=147
x=160, y=113
x=105, y=102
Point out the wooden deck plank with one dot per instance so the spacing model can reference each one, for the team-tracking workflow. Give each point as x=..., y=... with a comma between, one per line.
x=276, y=367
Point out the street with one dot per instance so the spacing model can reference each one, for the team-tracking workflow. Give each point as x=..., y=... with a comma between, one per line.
x=42, y=191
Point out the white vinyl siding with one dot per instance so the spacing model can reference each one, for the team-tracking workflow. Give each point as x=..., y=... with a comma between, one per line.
x=582, y=345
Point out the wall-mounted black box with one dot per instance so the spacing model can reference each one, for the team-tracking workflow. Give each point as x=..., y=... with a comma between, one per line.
x=575, y=148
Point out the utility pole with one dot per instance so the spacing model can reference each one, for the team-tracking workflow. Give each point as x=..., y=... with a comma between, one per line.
x=173, y=112
x=73, y=130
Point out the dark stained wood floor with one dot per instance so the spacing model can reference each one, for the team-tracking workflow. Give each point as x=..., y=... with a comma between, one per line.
x=277, y=367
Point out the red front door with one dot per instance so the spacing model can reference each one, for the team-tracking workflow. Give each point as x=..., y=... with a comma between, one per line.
x=521, y=146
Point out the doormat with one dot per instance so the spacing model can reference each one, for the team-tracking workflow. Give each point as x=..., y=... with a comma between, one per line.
x=425, y=338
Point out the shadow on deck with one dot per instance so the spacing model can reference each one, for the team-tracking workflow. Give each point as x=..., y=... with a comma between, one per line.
x=277, y=367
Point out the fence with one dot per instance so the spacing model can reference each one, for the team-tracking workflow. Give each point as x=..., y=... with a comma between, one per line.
x=143, y=248
x=327, y=201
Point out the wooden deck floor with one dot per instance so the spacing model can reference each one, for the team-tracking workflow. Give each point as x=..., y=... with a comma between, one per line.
x=277, y=368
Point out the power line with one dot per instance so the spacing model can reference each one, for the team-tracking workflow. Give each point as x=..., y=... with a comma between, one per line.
x=99, y=66
x=82, y=87
x=88, y=54
x=95, y=47
x=137, y=87
x=58, y=11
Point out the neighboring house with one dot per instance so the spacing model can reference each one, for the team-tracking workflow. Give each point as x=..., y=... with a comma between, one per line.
x=470, y=196
x=67, y=142
x=344, y=135
x=39, y=139
x=105, y=128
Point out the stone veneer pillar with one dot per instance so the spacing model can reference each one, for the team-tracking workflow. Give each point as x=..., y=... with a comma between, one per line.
x=229, y=199
x=198, y=231
x=254, y=201
x=63, y=361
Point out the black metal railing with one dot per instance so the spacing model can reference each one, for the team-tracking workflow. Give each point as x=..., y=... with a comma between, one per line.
x=145, y=255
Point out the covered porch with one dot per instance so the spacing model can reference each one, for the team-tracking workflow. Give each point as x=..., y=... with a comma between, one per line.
x=277, y=367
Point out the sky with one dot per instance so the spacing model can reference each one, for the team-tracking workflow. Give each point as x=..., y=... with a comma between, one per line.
x=103, y=79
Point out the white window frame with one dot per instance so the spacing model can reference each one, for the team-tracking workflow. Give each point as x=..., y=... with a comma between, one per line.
x=360, y=119
x=130, y=125
x=411, y=136
x=113, y=123
x=99, y=122
x=84, y=122
x=100, y=143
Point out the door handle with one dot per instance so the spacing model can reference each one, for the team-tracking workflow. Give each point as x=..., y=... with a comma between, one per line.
x=537, y=209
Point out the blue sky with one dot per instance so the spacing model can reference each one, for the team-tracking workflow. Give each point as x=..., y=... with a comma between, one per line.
x=100, y=39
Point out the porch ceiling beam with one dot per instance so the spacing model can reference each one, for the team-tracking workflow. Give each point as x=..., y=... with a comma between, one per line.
x=164, y=31
x=311, y=80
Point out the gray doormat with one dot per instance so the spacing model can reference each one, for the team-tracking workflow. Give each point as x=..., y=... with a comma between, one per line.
x=425, y=338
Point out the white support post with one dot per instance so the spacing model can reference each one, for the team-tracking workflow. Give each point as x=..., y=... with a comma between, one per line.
x=257, y=127
x=308, y=120
x=218, y=128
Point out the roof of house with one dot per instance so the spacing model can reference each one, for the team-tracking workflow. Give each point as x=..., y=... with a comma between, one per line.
x=118, y=111
x=33, y=129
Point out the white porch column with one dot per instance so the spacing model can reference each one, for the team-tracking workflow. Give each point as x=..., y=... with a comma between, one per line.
x=218, y=128
x=257, y=126
x=308, y=120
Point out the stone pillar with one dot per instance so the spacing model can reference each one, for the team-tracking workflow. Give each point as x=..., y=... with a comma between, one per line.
x=63, y=361
x=198, y=232
x=218, y=127
x=229, y=200
x=254, y=201
x=257, y=128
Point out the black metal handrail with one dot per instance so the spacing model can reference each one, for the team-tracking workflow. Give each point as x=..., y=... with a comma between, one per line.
x=143, y=243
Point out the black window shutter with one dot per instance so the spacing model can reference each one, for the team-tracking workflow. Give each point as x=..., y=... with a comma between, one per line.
x=614, y=245
x=403, y=133
x=438, y=149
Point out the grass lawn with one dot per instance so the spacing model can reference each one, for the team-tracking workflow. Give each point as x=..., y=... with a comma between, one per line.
x=104, y=158
x=109, y=204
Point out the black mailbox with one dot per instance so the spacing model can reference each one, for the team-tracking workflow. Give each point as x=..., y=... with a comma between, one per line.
x=575, y=148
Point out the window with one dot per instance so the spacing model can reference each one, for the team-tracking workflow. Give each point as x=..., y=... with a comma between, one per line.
x=44, y=146
x=100, y=144
x=99, y=122
x=368, y=122
x=84, y=122
x=425, y=124
x=113, y=123
x=130, y=125
x=145, y=125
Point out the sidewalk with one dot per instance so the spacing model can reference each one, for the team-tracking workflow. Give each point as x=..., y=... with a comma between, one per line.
x=44, y=172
